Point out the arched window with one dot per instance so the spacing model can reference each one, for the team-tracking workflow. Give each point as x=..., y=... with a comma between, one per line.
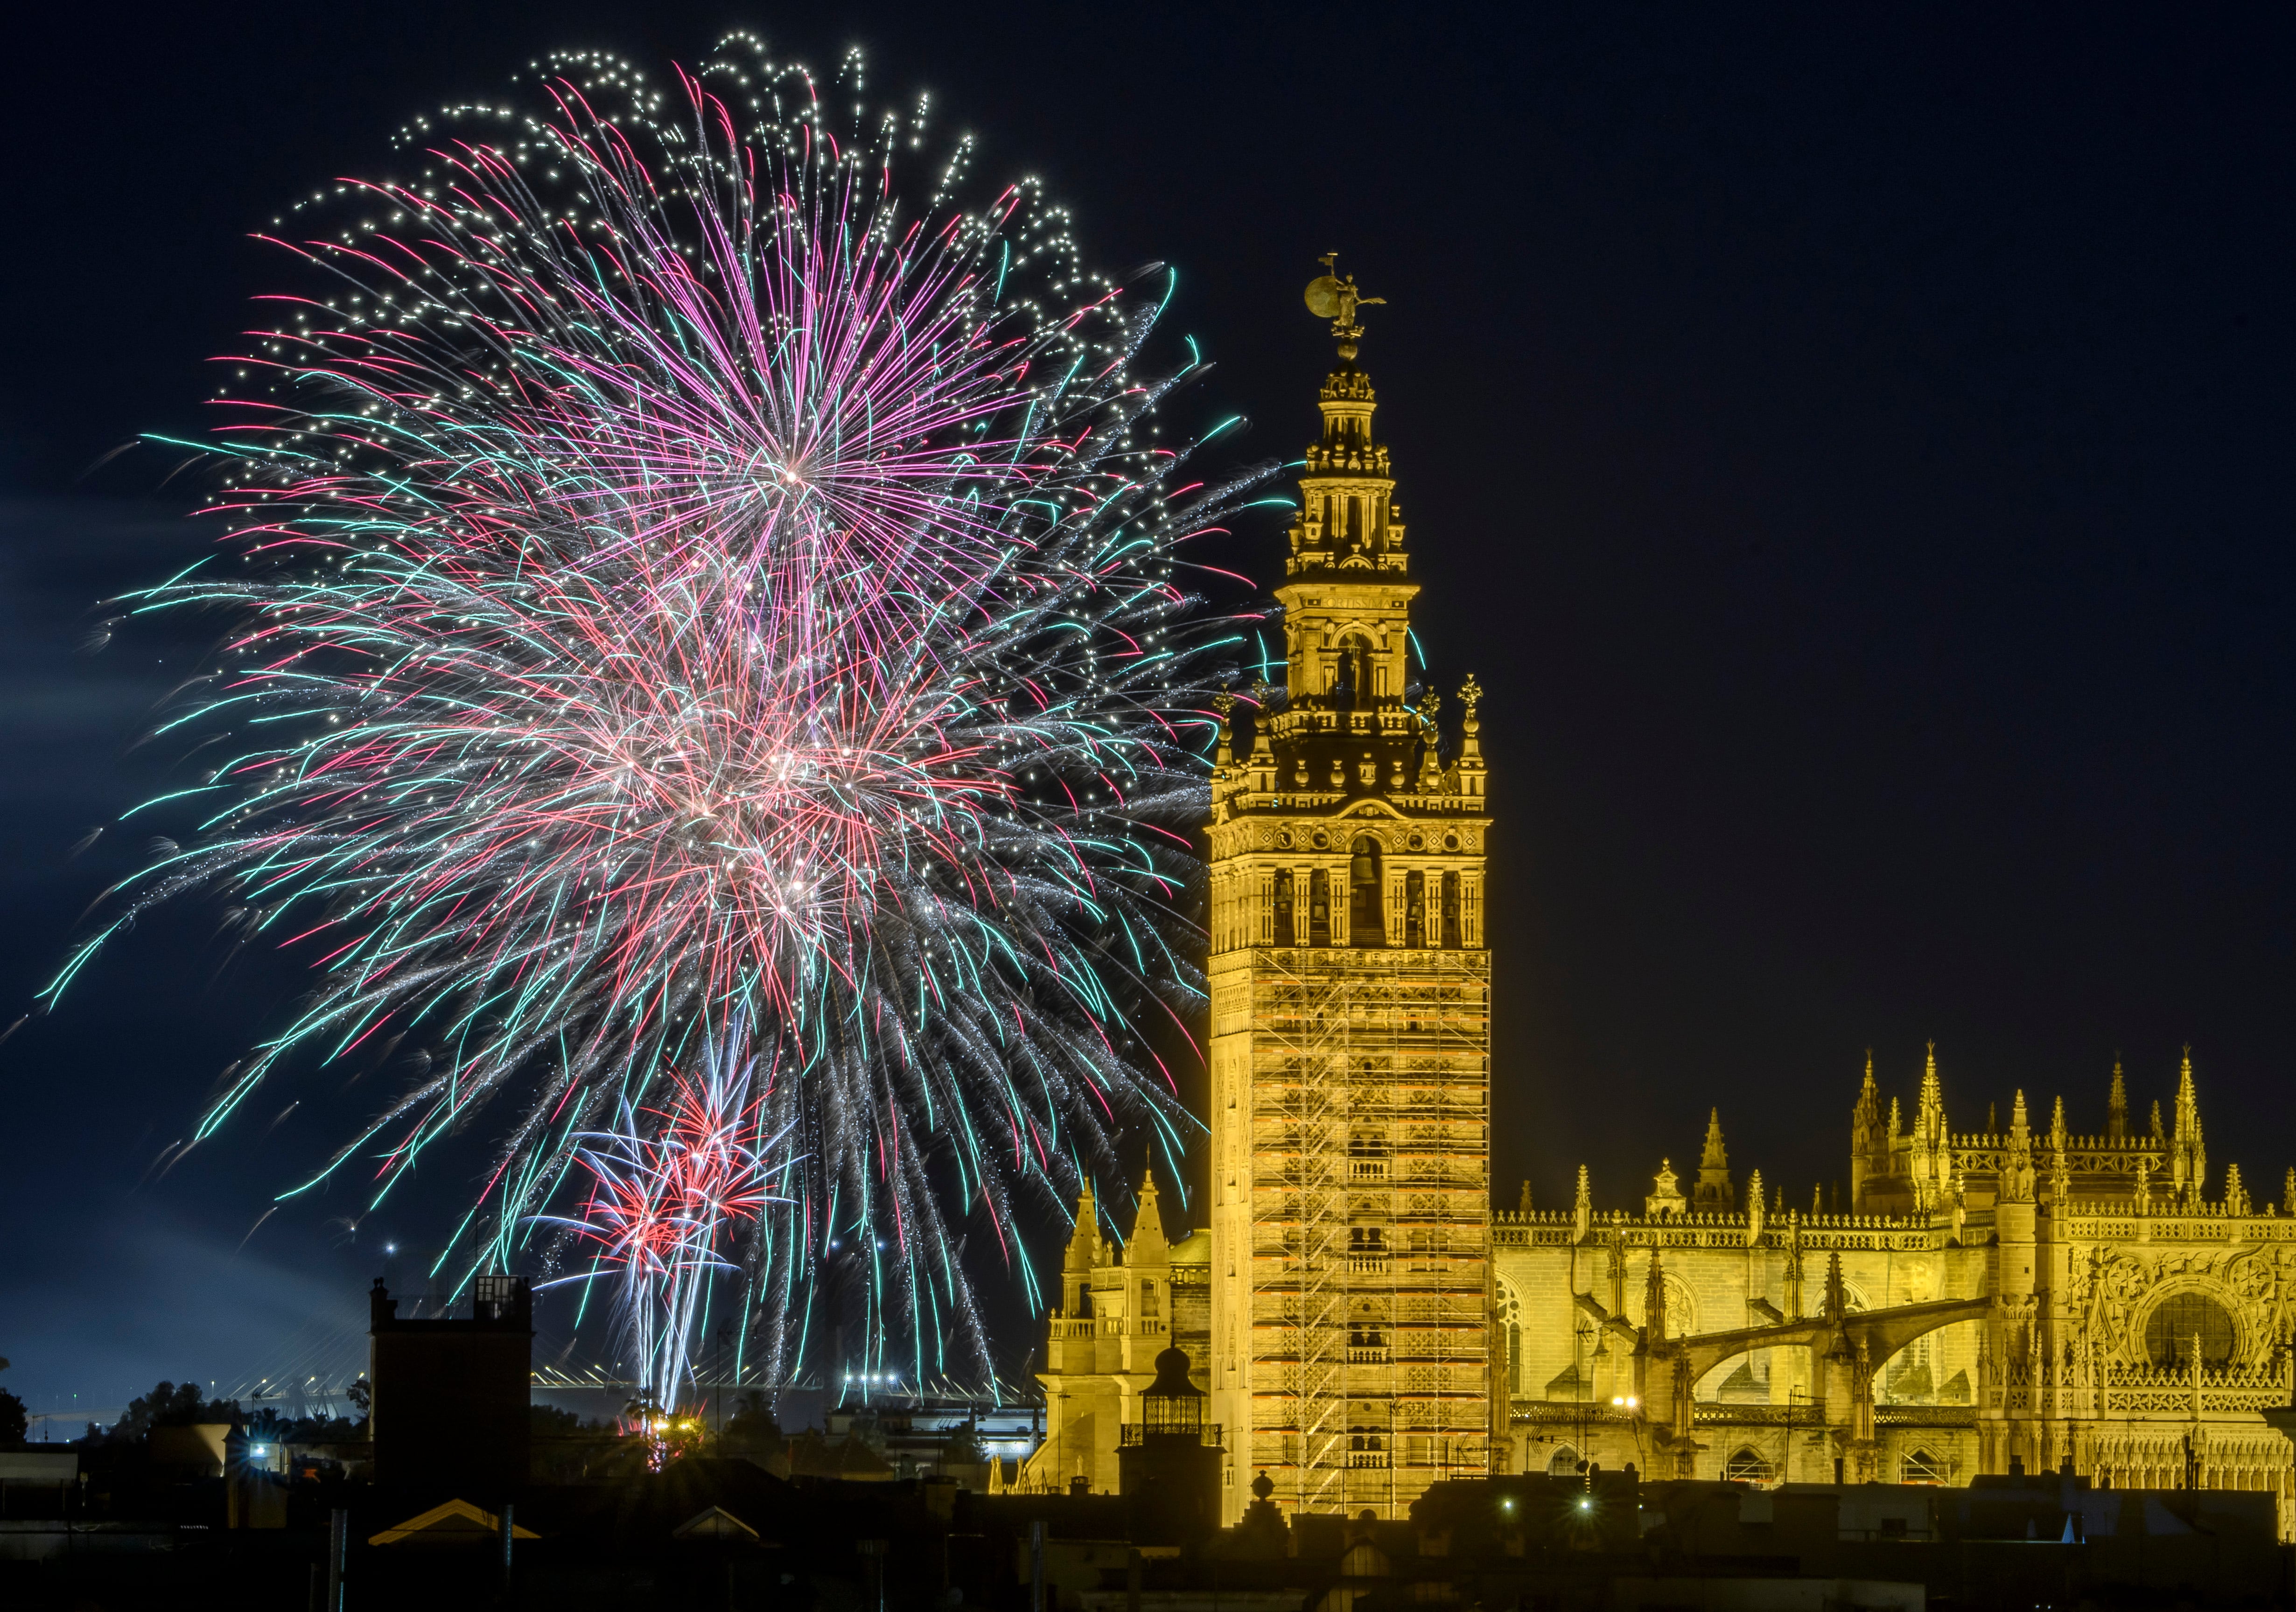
x=1451, y=940
x=1564, y=1463
x=1415, y=908
x=2180, y=1318
x=1746, y=1466
x=1319, y=908
x=1923, y=1467
x=1285, y=933
x=1366, y=925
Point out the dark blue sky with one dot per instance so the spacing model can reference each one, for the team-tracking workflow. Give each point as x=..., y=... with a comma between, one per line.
x=1852, y=448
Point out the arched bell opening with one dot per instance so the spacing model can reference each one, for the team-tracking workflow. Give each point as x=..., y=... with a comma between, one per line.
x=1353, y=678
x=1366, y=926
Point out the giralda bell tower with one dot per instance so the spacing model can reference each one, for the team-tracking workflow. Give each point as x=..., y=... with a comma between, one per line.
x=1350, y=1022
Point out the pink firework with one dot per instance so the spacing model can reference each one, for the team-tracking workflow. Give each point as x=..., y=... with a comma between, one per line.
x=688, y=574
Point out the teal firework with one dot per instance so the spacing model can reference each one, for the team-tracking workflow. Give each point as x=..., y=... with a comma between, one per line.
x=702, y=563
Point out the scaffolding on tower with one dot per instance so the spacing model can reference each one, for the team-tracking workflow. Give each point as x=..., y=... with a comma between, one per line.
x=1356, y=1342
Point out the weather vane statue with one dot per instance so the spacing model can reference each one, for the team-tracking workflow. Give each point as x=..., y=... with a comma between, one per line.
x=1332, y=298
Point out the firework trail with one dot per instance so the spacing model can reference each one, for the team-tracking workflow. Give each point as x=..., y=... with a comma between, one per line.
x=671, y=1188
x=688, y=575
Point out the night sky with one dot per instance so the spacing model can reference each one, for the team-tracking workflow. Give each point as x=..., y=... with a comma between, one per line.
x=1853, y=452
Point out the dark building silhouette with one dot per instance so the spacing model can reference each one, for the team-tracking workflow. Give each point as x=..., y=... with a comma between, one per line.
x=451, y=1395
x=1168, y=1463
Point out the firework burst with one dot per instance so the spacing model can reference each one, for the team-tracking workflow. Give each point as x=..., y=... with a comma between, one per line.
x=671, y=1189
x=689, y=576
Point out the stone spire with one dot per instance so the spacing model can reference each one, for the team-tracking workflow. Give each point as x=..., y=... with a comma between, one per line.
x=1932, y=1152
x=1148, y=1245
x=1754, y=1207
x=1582, y=1210
x=2235, y=1197
x=1714, y=1193
x=2060, y=1179
x=2188, y=1160
x=2288, y=1192
x=1523, y=1208
x=1928, y=1117
x=2017, y=1180
x=2116, y=1108
x=1837, y=1296
x=1869, y=1148
x=1085, y=1251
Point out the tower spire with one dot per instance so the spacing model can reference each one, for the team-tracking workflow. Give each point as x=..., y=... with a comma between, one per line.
x=1865, y=1113
x=1869, y=1149
x=1714, y=1193
x=2116, y=1107
x=1932, y=1152
x=1084, y=1253
x=2188, y=1159
x=2017, y=1181
x=1148, y=1245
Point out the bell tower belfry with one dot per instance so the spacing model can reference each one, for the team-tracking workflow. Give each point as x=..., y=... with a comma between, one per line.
x=1350, y=1021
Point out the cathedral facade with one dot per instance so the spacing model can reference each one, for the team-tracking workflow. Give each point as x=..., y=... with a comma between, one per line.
x=2023, y=1295
x=1366, y=1324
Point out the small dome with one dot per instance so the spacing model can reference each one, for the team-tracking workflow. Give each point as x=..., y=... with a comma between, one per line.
x=1172, y=1375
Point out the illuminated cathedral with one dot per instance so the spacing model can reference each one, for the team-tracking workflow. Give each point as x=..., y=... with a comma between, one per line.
x=1366, y=1324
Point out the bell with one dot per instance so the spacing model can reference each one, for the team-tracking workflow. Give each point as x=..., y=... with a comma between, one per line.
x=1361, y=868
